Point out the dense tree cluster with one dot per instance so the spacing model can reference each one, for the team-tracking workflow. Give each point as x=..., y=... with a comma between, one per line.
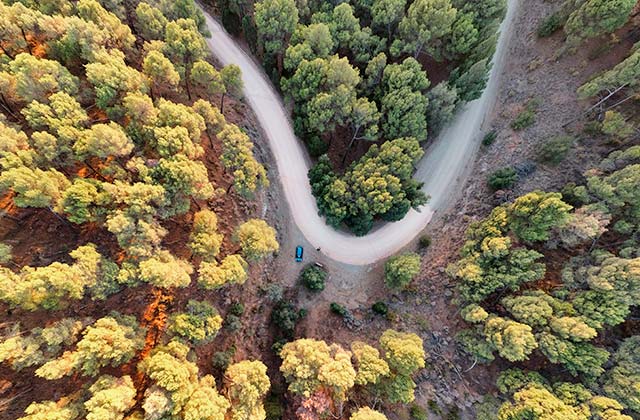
x=585, y=19
x=110, y=341
x=105, y=126
x=592, y=18
x=142, y=163
x=514, y=312
x=379, y=185
x=55, y=285
x=353, y=70
x=177, y=391
x=20, y=350
x=530, y=393
x=108, y=397
x=316, y=370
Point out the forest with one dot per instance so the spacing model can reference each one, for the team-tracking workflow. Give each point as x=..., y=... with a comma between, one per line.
x=359, y=73
x=147, y=254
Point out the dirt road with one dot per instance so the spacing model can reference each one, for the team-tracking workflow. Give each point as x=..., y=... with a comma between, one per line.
x=442, y=169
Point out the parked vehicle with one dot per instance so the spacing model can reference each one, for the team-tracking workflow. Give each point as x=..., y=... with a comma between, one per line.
x=299, y=253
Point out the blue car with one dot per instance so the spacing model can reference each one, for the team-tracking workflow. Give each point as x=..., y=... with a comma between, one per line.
x=299, y=252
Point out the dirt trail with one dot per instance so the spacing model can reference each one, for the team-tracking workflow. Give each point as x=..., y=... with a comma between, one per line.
x=443, y=169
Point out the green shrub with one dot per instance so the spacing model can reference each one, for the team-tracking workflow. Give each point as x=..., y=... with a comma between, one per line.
x=285, y=316
x=380, y=308
x=273, y=292
x=502, y=179
x=338, y=309
x=233, y=322
x=593, y=128
x=555, y=150
x=236, y=309
x=525, y=119
x=616, y=125
x=424, y=241
x=550, y=25
x=313, y=277
x=5, y=253
x=417, y=412
x=489, y=138
x=221, y=359
x=454, y=413
x=487, y=409
x=571, y=195
x=401, y=269
x=527, y=116
x=434, y=407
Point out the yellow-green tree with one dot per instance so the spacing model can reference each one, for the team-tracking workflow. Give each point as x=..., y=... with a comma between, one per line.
x=370, y=367
x=403, y=351
x=110, y=341
x=366, y=413
x=257, y=239
x=309, y=365
x=247, y=383
x=111, y=398
x=204, y=240
x=533, y=215
x=513, y=340
x=536, y=402
x=163, y=269
x=401, y=269
x=237, y=157
x=232, y=270
x=199, y=323
x=178, y=390
x=404, y=354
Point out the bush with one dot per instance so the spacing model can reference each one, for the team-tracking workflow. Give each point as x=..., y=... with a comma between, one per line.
x=273, y=292
x=285, y=316
x=571, y=194
x=555, y=150
x=380, y=308
x=236, y=309
x=489, y=138
x=338, y=309
x=524, y=119
x=401, y=269
x=5, y=253
x=418, y=412
x=424, y=241
x=232, y=323
x=550, y=25
x=221, y=359
x=593, y=128
x=615, y=125
x=313, y=278
x=527, y=116
x=502, y=179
